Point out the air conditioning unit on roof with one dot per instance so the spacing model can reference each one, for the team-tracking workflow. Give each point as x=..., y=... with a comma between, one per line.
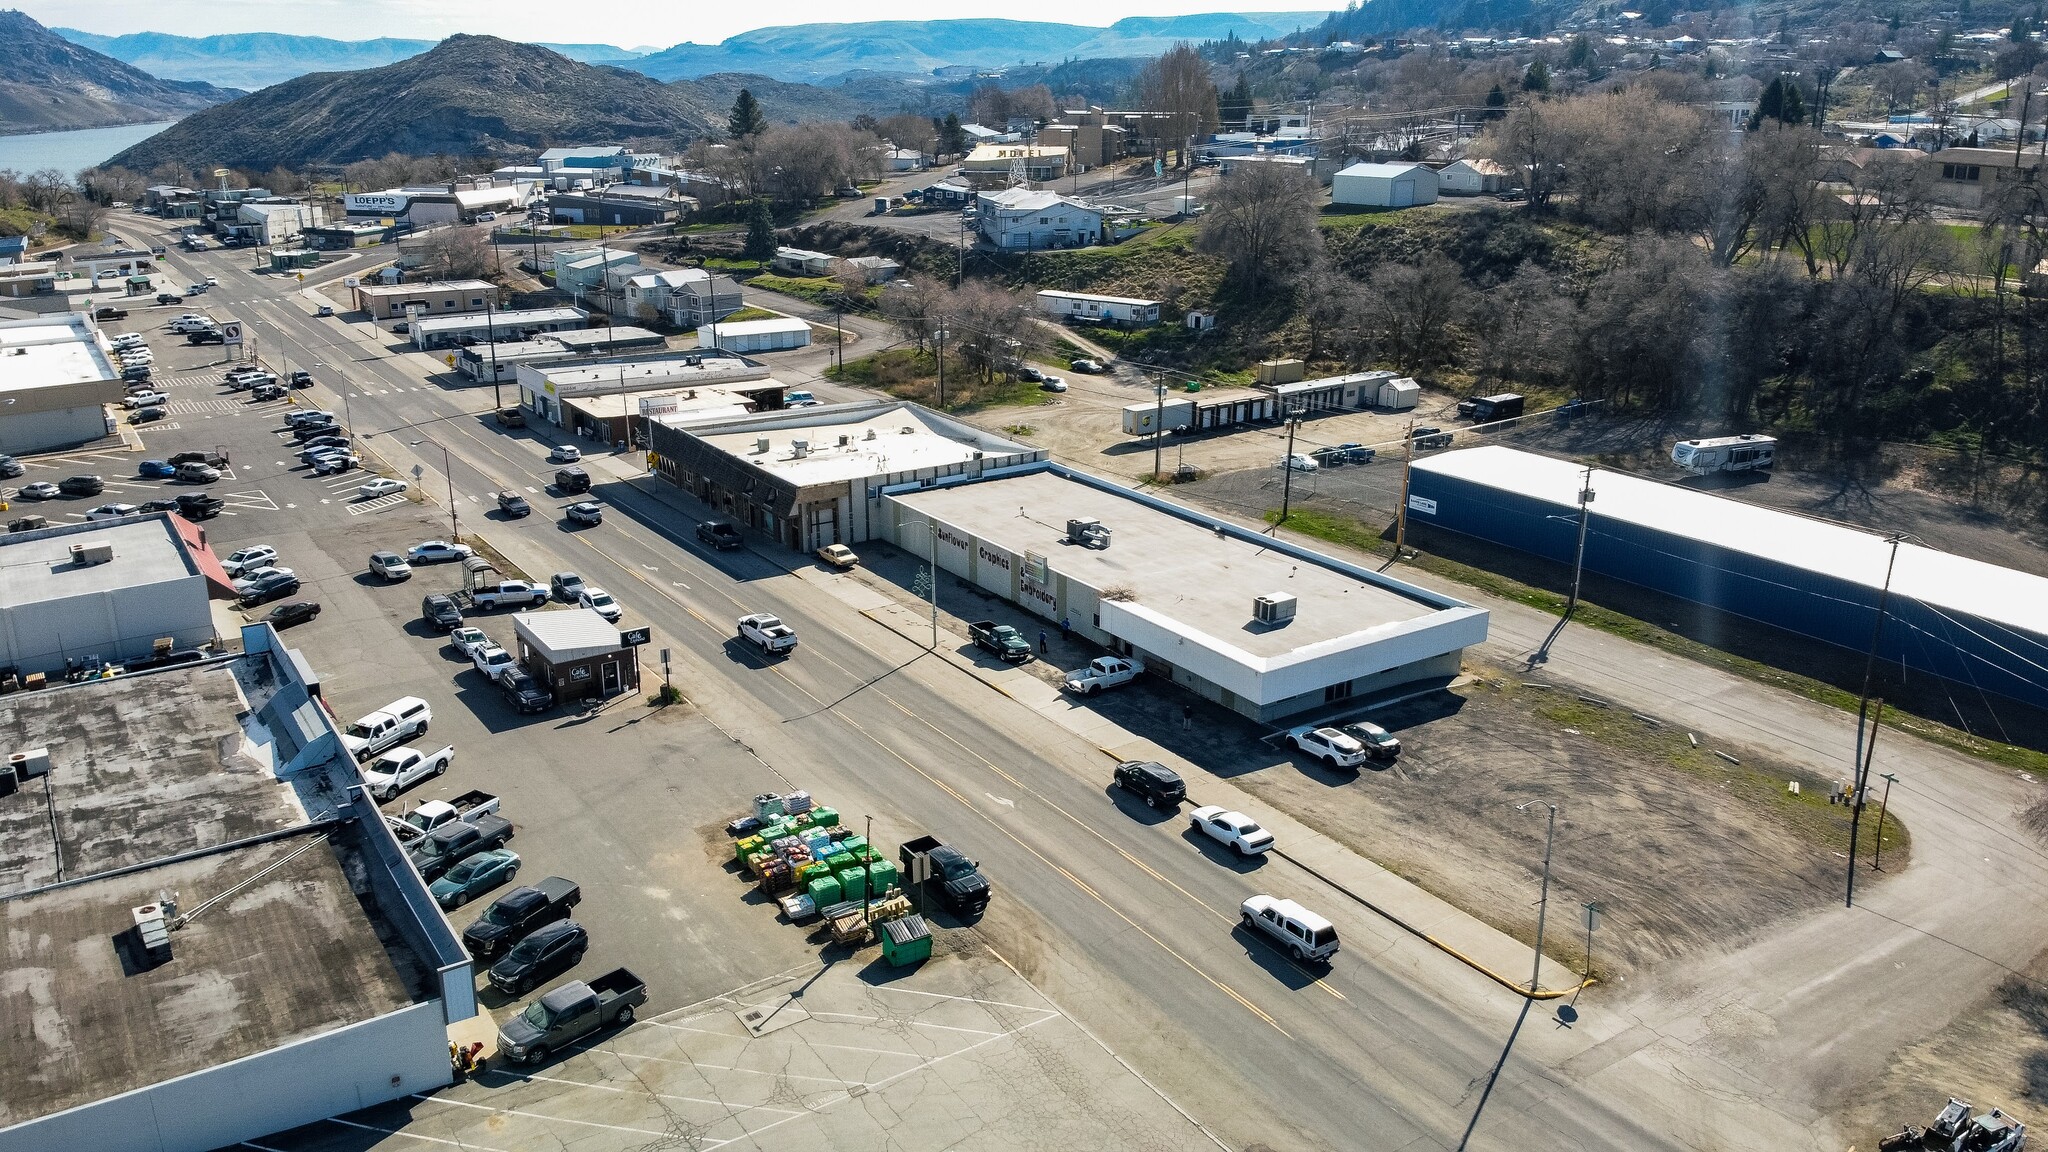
x=1273, y=608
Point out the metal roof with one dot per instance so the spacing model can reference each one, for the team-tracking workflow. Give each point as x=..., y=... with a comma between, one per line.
x=567, y=633
x=2018, y=600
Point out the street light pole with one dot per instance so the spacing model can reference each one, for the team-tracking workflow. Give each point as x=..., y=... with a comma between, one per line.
x=448, y=470
x=1878, y=853
x=1287, y=470
x=491, y=338
x=1859, y=768
x=1543, y=902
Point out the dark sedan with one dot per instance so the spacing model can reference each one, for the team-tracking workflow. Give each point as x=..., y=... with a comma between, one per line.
x=270, y=588
x=294, y=612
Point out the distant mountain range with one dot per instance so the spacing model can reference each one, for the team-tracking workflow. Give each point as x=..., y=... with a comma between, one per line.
x=804, y=53
x=255, y=60
x=50, y=84
x=469, y=96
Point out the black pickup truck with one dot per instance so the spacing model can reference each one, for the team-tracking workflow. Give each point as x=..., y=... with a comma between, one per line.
x=1006, y=642
x=948, y=873
x=511, y=916
x=450, y=844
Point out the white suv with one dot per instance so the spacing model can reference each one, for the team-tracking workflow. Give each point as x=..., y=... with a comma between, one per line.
x=1329, y=745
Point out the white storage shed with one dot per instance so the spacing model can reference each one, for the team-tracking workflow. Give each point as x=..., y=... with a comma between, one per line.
x=756, y=335
x=1086, y=306
x=1385, y=186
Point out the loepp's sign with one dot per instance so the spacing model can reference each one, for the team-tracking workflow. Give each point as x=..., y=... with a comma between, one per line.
x=372, y=202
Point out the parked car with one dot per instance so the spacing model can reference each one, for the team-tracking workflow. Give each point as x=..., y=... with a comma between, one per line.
x=1299, y=462
x=440, y=612
x=513, y=916
x=494, y=662
x=390, y=565
x=169, y=298
x=769, y=634
x=27, y=523
x=512, y=417
x=301, y=379
x=1051, y=384
x=401, y=328
x=569, y=1013
x=469, y=641
x=1329, y=745
x=11, y=468
x=838, y=556
x=720, y=535
x=566, y=586
x=1428, y=438
x=800, y=398
x=200, y=506
x=148, y=415
x=335, y=461
x=293, y=612
x=450, y=844
x=600, y=601
x=957, y=880
x=1027, y=372
x=217, y=459
x=40, y=490
x=1234, y=830
x=249, y=559
x=141, y=399
x=513, y=504
x=1152, y=782
x=1008, y=644
x=1305, y=935
x=197, y=473
x=263, y=392
x=160, y=505
x=269, y=588
x=1086, y=365
x=474, y=877
x=206, y=336
x=1103, y=672
x=509, y=594
x=111, y=512
x=81, y=486
x=572, y=481
x=565, y=454
x=380, y=487
x=524, y=693
x=250, y=577
x=552, y=948
x=435, y=551
x=296, y=419
x=155, y=470
x=401, y=768
x=1379, y=743
x=585, y=512
x=324, y=310
x=103, y=312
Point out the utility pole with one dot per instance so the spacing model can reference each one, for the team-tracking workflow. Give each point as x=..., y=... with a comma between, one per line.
x=1579, y=557
x=1543, y=901
x=939, y=342
x=1401, y=513
x=1860, y=767
x=1158, y=425
x=491, y=337
x=1287, y=468
x=934, y=526
x=1878, y=854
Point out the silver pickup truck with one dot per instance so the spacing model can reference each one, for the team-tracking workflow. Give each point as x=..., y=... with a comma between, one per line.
x=570, y=1012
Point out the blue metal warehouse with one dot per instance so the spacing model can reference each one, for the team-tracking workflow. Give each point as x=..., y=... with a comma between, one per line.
x=1974, y=623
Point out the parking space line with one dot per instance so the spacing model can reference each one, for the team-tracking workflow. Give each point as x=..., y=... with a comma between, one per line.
x=833, y=1080
x=413, y=1135
x=894, y=1020
x=376, y=504
x=731, y=1109
x=968, y=999
x=798, y=1041
x=425, y=1099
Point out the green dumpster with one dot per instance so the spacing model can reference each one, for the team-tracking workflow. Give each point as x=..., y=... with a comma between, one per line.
x=906, y=941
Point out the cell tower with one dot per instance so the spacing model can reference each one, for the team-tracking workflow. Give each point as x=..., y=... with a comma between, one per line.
x=1020, y=169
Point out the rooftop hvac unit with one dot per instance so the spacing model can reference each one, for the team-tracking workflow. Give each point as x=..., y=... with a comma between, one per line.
x=870, y=435
x=151, y=927
x=30, y=763
x=844, y=440
x=1273, y=608
x=86, y=555
x=761, y=445
x=799, y=448
x=1087, y=532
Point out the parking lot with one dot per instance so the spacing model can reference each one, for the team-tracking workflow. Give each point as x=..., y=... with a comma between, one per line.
x=961, y=1053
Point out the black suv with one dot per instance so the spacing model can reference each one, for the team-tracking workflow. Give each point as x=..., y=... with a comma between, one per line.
x=272, y=587
x=720, y=535
x=1154, y=783
x=440, y=612
x=206, y=336
x=212, y=459
x=572, y=480
x=552, y=948
x=81, y=485
x=525, y=694
x=513, y=504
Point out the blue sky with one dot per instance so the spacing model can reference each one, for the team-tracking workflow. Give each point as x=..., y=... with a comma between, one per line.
x=628, y=23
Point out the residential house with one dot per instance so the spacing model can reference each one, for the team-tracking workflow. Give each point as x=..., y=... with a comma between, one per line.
x=1023, y=219
x=685, y=297
x=1090, y=307
x=876, y=269
x=949, y=192
x=908, y=160
x=585, y=271
x=1474, y=177
x=802, y=262
x=1974, y=177
x=625, y=205
x=1384, y=186
x=13, y=249
x=993, y=163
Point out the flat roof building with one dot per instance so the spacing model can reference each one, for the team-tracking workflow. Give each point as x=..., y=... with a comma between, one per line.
x=433, y=297
x=774, y=335
x=576, y=653
x=1090, y=306
x=56, y=380
x=812, y=476
x=545, y=387
x=106, y=592
x=215, y=936
x=524, y=323
x=1186, y=593
x=1963, y=620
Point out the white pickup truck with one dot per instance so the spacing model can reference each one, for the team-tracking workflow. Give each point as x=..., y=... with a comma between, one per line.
x=494, y=662
x=509, y=594
x=436, y=813
x=1103, y=672
x=401, y=768
x=768, y=633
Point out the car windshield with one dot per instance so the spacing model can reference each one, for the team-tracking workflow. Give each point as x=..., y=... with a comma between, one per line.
x=536, y=1014
x=463, y=871
x=956, y=867
x=601, y=599
x=527, y=950
x=359, y=729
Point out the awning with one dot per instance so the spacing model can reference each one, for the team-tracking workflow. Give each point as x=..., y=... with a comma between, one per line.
x=218, y=584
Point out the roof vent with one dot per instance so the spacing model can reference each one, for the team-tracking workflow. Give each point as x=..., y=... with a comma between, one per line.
x=870, y=435
x=761, y=445
x=844, y=440
x=798, y=449
x=30, y=763
x=86, y=555
x=909, y=431
x=1273, y=608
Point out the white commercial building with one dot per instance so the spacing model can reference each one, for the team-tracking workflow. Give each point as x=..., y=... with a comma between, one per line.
x=545, y=387
x=1084, y=306
x=300, y=969
x=519, y=324
x=426, y=298
x=440, y=203
x=1384, y=186
x=107, y=592
x=1023, y=219
x=56, y=381
x=775, y=335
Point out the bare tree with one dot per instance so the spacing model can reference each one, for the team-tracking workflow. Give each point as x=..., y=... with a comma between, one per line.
x=915, y=304
x=1413, y=309
x=913, y=132
x=806, y=161
x=1262, y=220
x=459, y=254
x=1178, y=83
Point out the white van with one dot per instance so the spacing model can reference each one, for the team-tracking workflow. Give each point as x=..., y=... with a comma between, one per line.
x=1305, y=935
x=393, y=724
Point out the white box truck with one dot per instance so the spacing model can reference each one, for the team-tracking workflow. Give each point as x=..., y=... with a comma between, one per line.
x=1146, y=418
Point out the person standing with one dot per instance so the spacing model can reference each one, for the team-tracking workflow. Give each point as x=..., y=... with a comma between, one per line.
x=1041, y=641
x=1187, y=716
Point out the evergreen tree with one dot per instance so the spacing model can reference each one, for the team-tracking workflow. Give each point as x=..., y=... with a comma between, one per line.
x=1236, y=104
x=952, y=140
x=1794, y=111
x=746, y=119
x=760, y=233
x=1581, y=55
x=1537, y=78
x=1496, y=104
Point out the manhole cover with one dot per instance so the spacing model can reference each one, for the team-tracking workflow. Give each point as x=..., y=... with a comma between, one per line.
x=761, y=1019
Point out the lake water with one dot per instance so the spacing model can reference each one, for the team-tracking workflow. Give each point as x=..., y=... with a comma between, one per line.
x=70, y=151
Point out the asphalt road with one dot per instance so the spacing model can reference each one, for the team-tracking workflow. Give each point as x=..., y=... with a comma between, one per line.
x=1117, y=914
